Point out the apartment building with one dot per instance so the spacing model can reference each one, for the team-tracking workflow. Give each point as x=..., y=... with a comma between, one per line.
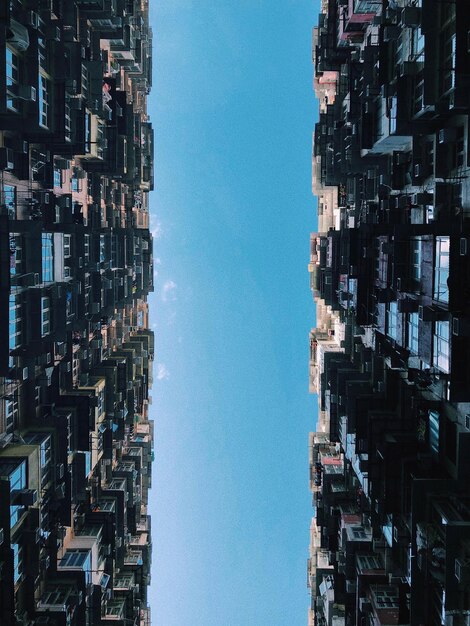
x=76, y=441
x=389, y=267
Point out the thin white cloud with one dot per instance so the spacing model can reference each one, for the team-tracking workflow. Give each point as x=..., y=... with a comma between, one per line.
x=157, y=230
x=157, y=261
x=162, y=372
x=169, y=291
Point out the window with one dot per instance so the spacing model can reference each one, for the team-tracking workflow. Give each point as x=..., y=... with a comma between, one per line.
x=9, y=199
x=17, y=562
x=45, y=316
x=441, y=269
x=57, y=177
x=434, y=431
x=16, y=254
x=55, y=596
x=133, y=558
x=459, y=153
x=415, y=259
x=101, y=141
x=123, y=581
x=100, y=402
x=75, y=184
x=16, y=473
x=366, y=562
x=42, y=54
x=358, y=532
x=393, y=108
x=418, y=44
x=14, y=320
x=84, y=86
x=102, y=249
x=78, y=559
x=386, y=599
x=441, y=347
x=86, y=246
x=87, y=131
x=392, y=313
x=68, y=122
x=448, y=45
x=12, y=76
x=115, y=608
x=67, y=246
x=412, y=333
x=11, y=412
x=47, y=258
x=44, y=101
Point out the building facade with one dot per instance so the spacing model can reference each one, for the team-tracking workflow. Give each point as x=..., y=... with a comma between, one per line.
x=390, y=275
x=76, y=441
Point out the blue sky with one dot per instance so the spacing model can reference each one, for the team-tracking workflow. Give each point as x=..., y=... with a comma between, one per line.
x=233, y=112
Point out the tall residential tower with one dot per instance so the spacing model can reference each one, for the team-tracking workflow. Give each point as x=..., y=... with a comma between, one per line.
x=390, y=275
x=76, y=166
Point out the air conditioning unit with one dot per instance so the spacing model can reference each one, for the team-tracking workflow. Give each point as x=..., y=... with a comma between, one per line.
x=391, y=32
x=54, y=33
x=66, y=367
x=25, y=497
x=45, y=563
x=60, y=491
x=462, y=570
x=75, y=104
x=350, y=586
x=71, y=85
x=411, y=16
x=447, y=135
x=460, y=327
x=6, y=159
x=409, y=68
x=364, y=605
x=33, y=19
x=26, y=92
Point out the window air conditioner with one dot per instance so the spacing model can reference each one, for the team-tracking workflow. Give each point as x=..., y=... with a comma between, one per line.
x=33, y=19
x=6, y=159
x=27, y=92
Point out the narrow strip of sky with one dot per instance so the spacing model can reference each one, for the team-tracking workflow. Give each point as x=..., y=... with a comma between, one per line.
x=232, y=107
